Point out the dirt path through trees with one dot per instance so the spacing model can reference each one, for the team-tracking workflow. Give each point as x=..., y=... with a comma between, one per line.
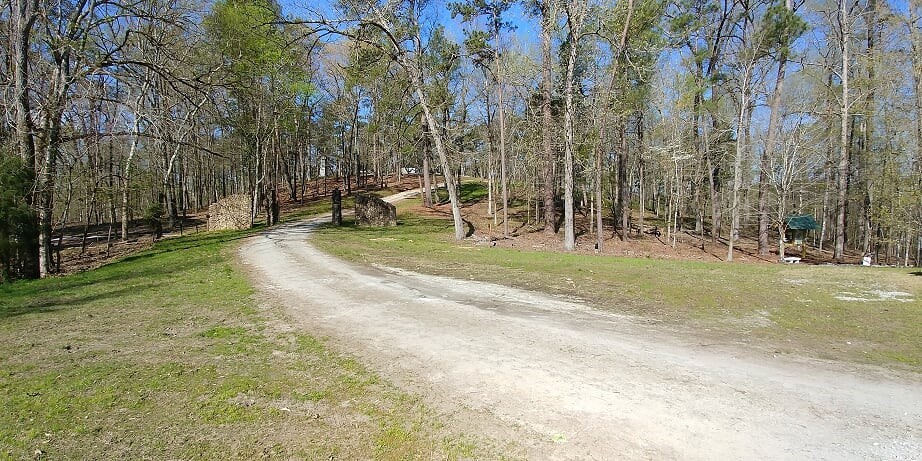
x=565, y=381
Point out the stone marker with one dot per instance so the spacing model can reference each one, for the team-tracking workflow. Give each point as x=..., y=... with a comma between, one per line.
x=371, y=210
x=337, y=207
x=233, y=212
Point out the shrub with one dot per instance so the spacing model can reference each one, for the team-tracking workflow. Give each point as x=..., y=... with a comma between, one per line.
x=18, y=222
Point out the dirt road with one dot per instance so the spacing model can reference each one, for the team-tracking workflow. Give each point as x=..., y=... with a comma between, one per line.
x=569, y=382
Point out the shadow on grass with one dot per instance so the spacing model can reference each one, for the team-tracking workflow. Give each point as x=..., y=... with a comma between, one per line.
x=41, y=305
x=916, y=273
x=469, y=193
x=57, y=293
x=188, y=243
x=472, y=193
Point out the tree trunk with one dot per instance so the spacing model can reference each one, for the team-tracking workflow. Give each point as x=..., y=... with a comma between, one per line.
x=597, y=214
x=132, y=150
x=866, y=129
x=742, y=133
x=643, y=207
x=502, y=147
x=450, y=182
x=46, y=198
x=548, y=18
x=700, y=152
x=575, y=16
x=23, y=14
x=842, y=180
x=51, y=142
x=624, y=203
x=427, y=180
x=774, y=131
x=916, y=40
x=600, y=129
x=23, y=17
x=354, y=146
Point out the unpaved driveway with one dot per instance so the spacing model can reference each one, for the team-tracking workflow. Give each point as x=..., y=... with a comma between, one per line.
x=569, y=382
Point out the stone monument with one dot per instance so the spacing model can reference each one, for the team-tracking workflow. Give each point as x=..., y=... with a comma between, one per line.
x=233, y=212
x=337, y=207
x=371, y=210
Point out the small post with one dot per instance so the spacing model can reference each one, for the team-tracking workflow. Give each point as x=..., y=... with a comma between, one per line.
x=337, y=207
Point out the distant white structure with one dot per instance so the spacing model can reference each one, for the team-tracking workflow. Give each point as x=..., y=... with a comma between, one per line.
x=322, y=167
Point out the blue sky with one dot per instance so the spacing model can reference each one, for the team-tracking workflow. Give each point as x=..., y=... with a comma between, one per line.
x=526, y=28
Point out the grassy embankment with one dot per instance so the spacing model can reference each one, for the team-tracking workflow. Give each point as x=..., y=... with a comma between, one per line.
x=786, y=308
x=166, y=355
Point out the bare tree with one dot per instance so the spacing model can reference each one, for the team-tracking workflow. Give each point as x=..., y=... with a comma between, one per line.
x=605, y=96
x=548, y=12
x=747, y=58
x=575, y=17
x=789, y=30
x=845, y=21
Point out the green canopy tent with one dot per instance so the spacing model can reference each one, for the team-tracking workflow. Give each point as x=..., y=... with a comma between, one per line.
x=796, y=228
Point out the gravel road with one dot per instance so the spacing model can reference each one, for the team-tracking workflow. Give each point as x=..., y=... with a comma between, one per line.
x=565, y=381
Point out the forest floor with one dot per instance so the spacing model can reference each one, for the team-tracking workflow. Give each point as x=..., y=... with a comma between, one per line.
x=102, y=243
x=651, y=242
x=89, y=247
x=562, y=377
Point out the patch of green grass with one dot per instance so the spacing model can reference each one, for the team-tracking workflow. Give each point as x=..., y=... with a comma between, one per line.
x=460, y=449
x=223, y=332
x=166, y=355
x=310, y=344
x=468, y=192
x=312, y=396
x=799, y=308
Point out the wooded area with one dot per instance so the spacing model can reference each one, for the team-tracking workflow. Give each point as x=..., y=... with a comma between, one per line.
x=720, y=117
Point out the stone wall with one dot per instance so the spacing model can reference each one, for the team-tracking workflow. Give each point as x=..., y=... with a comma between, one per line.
x=230, y=213
x=371, y=210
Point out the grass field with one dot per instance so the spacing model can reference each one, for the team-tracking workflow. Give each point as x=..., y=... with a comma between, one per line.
x=167, y=355
x=856, y=314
